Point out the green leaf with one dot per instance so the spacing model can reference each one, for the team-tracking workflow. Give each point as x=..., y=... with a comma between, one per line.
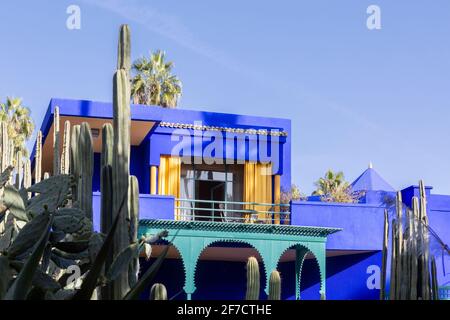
x=122, y=261
x=29, y=235
x=22, y=284
x=14, y=202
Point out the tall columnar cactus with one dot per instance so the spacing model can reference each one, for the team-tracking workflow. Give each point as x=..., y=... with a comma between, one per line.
x=385, y=254
x=4, y=145
x=106, y=177
x=38, y=158
x=106, y=190
x=434, y=281
x=65, y=156
x=275, y=286
x=121, y=149
x=19, y=169
x=253, y=279
x=394, y=240
x=414, y=249
x=158, y=292
x=133, y=218
x=26, y=181
x=86, y=161
x=75, y=165
x=425, y=253
x=399, y=244
x=56, y=143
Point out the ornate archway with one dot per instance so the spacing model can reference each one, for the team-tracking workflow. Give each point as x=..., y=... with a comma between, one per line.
x=271, y=241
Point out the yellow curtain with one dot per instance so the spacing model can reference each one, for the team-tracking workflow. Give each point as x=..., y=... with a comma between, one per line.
x=258, y=188
x=276, y=197
x=169, y=178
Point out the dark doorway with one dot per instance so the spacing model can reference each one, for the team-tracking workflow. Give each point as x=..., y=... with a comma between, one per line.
x=210, y=191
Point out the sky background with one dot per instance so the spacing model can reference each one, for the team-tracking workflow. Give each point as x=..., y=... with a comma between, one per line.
x=353, y=95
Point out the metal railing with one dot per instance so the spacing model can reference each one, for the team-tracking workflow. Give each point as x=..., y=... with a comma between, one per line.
x=232, y=211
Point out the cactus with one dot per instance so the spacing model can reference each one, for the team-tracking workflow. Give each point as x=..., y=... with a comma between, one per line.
x=275, y=286
x=394, y=239
x=434, y=281
x=56, y=143
x=253, y=279
x=19, y=169
x=121, y=150
x=425, y=254
x=133, y=218
x=26, y=181
x=384, y=259
x=65, y=156
x=75, y=165
x=38, y=159
x=4, y=146
x=86, y=161
x=158, y=292
x=399, y=244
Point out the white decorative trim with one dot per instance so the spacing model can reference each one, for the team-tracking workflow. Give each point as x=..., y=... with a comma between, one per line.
x=225, y=129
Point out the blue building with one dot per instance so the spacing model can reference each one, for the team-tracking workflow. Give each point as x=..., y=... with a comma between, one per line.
x=218, y=179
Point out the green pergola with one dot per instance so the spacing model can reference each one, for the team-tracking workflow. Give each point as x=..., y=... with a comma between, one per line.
x=271, y=241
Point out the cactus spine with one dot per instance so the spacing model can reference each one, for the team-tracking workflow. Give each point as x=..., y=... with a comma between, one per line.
x=121, y=149
x=56, y=142
x=253, y=279
x=38, y=159
x=275, y=286
x=65, y=156
x=158, y=292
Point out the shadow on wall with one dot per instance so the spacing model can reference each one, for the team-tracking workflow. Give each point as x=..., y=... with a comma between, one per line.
x=347, y=278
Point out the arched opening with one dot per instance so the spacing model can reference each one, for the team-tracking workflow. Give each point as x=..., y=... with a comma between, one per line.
x=309, y=276
x=171, y=274
x=221, y=271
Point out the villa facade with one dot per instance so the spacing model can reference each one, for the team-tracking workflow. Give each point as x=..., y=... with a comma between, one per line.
x=216, y=181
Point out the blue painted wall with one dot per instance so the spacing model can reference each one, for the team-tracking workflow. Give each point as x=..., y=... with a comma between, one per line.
x=346, y=278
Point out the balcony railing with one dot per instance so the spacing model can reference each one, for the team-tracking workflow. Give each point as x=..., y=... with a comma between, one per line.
x=232, y=211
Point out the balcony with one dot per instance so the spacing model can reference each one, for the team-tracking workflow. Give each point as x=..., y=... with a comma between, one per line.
x=231, y=211
x=169, y=208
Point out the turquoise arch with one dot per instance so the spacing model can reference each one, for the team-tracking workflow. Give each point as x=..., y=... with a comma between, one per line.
x=271, y=241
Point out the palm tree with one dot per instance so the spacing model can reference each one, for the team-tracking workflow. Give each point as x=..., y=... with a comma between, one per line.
x=333, y=188
x=20, y=125
x=154, y=83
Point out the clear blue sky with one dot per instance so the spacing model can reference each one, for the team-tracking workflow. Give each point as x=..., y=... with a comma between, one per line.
x=353, y=95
